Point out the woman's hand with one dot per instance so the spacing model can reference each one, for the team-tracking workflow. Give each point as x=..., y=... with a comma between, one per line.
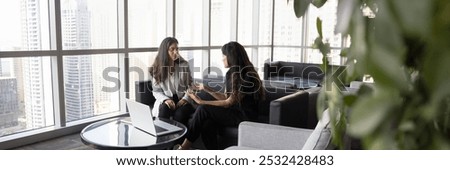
x=198, y=86
x=182, y=102
x=170, y=103
x=194, y=97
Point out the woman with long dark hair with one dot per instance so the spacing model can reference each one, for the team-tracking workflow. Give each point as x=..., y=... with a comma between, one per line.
x=171, y=77
x=239, y=102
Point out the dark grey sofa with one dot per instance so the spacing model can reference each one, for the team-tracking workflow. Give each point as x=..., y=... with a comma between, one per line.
x=300, y=75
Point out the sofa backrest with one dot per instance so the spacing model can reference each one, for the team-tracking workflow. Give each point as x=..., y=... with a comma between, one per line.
x=292, y=69
x=306, y=71
x=312, y=71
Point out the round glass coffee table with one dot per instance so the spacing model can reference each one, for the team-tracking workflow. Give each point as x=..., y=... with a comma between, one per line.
x=119, y=133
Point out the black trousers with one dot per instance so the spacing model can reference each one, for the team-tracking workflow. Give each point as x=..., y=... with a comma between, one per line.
x=207, y=119
x=181, y=114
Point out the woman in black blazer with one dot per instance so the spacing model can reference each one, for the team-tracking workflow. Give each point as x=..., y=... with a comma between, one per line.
x=239, y=102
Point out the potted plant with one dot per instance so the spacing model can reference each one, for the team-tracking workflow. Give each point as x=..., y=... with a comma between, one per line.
x=404, y=46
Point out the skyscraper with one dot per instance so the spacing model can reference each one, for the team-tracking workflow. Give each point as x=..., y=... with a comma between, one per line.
x=78, y=85
x=1, y=67
x=9, y=107
x=8, y=101
x=35, y=70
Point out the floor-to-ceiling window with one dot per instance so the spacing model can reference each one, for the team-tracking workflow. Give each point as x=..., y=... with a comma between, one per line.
x=254, y=30
x=89, y=25
x=287, y=33
x=58, y=61
x=327, y=14
x=147, y=27
x=25, y=81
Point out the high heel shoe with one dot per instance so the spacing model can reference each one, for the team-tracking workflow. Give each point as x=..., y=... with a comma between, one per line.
x=177, y=147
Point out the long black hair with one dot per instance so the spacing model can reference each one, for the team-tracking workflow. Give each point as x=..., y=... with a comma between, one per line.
x=242, y=76
x=160, y=69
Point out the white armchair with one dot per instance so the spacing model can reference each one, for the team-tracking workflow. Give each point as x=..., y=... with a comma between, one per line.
x=275, y=137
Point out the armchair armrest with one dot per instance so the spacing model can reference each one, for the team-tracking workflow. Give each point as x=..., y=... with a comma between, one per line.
x=267, y=136
x=312, y=109
x=290, y=110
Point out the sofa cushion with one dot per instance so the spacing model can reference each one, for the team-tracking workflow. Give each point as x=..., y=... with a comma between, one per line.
x=320, y=138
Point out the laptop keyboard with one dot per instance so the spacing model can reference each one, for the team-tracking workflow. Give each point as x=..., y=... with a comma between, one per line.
x=159, y=129
x=163, y=124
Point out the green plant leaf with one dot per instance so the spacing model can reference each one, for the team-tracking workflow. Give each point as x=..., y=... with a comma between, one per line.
x=344, y=52
x=319, y=27
x=349, y=99
x=380, y=140
x=345, y=11
x=387, y=51
x=386, y=68
x=317, y=43
x=325, y=48
x=436, y=71
x=318, y=3
x=414, y=18
x=369, y=112
x=321, y=101
x=358, y=47
x=387, y=33
x=300, y=7
x=365, y=89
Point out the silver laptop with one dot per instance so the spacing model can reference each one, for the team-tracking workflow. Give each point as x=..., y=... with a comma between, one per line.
x=142, y=119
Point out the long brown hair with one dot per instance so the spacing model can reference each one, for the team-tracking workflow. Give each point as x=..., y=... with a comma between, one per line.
x=242, y=75
x=160, y=69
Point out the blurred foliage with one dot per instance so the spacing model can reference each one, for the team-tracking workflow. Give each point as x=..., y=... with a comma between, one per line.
x=404, y=46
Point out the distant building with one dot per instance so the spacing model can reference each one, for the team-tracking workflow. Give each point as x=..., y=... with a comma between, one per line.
x=9, y=107
x=1, y=67
x=35, y=70
x=75, y=19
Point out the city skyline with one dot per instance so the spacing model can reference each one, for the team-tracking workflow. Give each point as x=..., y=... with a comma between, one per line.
x=32, y=75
